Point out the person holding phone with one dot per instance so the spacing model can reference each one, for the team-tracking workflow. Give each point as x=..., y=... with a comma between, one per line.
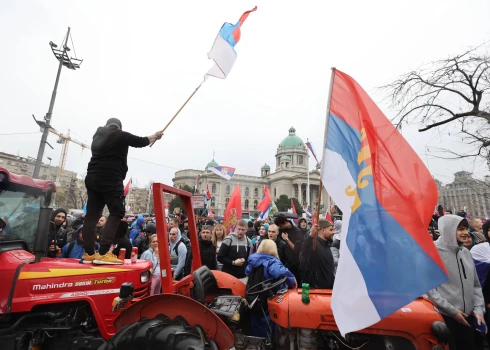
x=459, y=300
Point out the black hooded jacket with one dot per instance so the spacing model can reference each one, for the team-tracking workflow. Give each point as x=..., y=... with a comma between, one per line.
x=318, y=266
x=208, y=254
x=110, y=153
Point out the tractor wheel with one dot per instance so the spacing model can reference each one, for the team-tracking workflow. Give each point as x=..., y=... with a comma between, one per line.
x=160, y=332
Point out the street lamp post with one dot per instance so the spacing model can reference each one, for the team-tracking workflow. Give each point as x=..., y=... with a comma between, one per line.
x=70, y=63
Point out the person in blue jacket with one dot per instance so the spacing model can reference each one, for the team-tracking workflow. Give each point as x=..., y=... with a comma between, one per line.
x=75, y=248
x=136, y=231
x=268, y=259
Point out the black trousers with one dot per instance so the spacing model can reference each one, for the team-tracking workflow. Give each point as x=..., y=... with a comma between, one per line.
x=461, y=337
x=102, y=192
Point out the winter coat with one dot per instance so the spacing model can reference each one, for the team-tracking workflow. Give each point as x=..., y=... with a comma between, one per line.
x=231, y=249
x=281, y=250
x=137, y=229
x=110, y=153
x=177, y=259
x=151, y=256
x=251, y=233
x=318, y=267
x=297, y=238
x=462, y=292
x=208, y=254
x=273, y=268
x=481, y=257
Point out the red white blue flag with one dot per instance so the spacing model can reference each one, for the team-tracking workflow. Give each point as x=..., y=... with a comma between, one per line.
x=225, y=172
x=265, y=204
x=223, y=51
x=310, y=147
x=387, y=197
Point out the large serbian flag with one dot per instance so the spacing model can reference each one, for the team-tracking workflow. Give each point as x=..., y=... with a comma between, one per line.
x=233, y=211
x=387, y=197
x=223, y=51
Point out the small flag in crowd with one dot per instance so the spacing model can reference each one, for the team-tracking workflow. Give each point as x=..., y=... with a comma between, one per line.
x=310, y=147
x=223, y=51
x=210, y=212
x=363, y=159
x=265, y=204
x=293, y=210
x=233, y=211
x=307, y=211
x=225, y=172
x=127, y=187
x=208, y=194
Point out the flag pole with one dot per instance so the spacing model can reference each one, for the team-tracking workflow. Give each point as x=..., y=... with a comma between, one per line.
x=323, y=158
x=180, y=109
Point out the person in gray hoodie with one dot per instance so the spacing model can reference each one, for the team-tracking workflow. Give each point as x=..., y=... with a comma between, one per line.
x=461, y=295
x=235, y=250
x=178, y=252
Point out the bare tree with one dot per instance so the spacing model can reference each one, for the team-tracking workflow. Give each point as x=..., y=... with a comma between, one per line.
x=428, y=96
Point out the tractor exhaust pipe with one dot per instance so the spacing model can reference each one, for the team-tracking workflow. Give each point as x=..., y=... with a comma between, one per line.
x=41, y=240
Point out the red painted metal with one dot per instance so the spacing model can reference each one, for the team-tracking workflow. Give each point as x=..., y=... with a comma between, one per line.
x=169, y=286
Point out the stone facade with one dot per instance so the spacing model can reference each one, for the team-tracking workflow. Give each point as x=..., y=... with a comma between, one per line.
x=466, y=193
x=289, y=178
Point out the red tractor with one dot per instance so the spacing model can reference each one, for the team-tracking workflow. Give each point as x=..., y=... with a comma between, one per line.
x=207, y=310
x=52, y=303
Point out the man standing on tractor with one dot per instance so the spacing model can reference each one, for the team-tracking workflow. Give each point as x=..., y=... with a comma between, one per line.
x=106, y=172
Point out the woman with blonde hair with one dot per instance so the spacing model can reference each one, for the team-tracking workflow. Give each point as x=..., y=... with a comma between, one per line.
x=264, y=265
x=152, y=255
x=218, y=235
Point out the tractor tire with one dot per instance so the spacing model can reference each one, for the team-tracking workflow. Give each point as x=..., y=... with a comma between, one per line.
x=159, y=333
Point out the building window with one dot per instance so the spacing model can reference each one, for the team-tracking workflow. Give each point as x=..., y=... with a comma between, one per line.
x=227, y=200
x=213, y=203
x=255, y=204
x=256, y=192
x=247, y=191
x=228, y=189
x=296, y=191
x=213, y=188
x=246, y=203
x=275, y=193
x=300, y=160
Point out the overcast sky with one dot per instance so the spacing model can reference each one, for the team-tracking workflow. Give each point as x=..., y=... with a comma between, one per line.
x=142, y=59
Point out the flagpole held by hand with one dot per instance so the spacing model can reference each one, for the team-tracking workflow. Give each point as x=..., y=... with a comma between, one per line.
x=180, y=109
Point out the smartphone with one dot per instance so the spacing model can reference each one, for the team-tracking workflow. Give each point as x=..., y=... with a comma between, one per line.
x=482, y=328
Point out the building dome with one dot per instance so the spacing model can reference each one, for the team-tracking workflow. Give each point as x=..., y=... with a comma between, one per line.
x=266, y=166
x=211, y=164
x=292, y=141
x=285, y=158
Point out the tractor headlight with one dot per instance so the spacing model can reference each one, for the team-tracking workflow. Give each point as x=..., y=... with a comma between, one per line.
x=145, y=276
x=440, y=331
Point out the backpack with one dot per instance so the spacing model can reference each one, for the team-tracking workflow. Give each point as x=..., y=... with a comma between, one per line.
x=188, y=259
x=137, y=240
x=260, y=306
